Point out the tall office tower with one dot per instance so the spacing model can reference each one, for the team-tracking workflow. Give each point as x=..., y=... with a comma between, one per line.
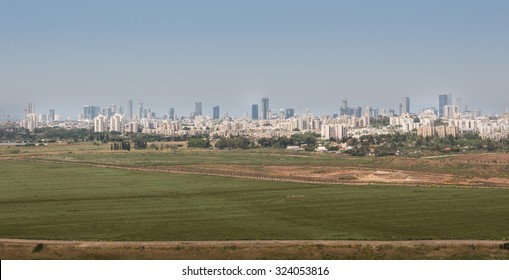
x=344, y=108
x=265, y=109
x=94, y=111
x=171, y=114
x=254, y=112
x=86, y=112
x=140, y=110
x=443, y=99
x=197, y=109
x=215, y=112
x=111, y=110
x=374, y=113
x=121, y=110
x=458, y=103
x=366, y=111
x=358, y=112
x=51, y=115
x=289, y=113
x=404, y=106
x=130, y=109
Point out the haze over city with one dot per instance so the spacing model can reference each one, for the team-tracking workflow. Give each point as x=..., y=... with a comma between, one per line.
x=302, y=54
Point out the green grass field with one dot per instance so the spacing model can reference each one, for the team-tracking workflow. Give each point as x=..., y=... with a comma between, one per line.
x=89, y=153
x=58, y=201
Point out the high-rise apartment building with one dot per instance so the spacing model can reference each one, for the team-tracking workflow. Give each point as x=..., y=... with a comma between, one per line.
x=254, y=112
x=100, y=123
x=265, y=109
x=215, y=112
x=117, y=123
x=31, y=119
x=404, y=106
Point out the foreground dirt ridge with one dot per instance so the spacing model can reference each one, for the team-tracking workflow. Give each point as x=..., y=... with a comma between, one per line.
x=193, y=170
x=253, y=242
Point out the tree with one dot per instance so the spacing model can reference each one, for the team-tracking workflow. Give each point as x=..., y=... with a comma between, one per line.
x=198, y=143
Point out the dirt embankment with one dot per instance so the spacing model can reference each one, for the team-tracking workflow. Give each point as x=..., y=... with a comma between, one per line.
x=269, y=249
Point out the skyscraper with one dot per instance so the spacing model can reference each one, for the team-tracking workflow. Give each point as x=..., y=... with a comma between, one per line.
x=94, y=111
x=141, y=111
x=31, y=120
x=265, y=108
x=404, y=106
x=51, y=115
x=111, y=110
x=90, y=112
x=443, y=99
x=289, y=113
x=30, y=109
x=197, y=108
x=254, y=112
x=86, y=112
x=130, y=109
x=344, y=108
x=459, y=104
x=171, y=114
x=215, y=112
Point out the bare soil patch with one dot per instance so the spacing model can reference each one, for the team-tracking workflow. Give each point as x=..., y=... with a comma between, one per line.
x=270, y=249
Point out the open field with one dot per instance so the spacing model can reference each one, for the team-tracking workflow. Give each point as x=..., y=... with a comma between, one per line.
x=249, y=250
x=71, y=202
x=479, y=170
x=87, y=192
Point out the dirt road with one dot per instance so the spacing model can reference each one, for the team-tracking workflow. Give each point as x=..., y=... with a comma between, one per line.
x=79, y=243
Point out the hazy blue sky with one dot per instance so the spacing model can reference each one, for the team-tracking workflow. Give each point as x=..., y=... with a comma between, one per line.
x=300, y=54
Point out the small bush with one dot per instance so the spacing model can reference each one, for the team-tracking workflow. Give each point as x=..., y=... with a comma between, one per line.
x=347, y=177
x=13, y=151
x=38, y=247
x=504, y=246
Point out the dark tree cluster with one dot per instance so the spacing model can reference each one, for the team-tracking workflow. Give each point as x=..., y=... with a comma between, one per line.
x=140, y=144
x=239, y=142
x=122, y=146
x=199, y=143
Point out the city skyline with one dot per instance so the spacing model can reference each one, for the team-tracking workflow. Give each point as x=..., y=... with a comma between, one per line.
x=63, y=55
x=143, y=111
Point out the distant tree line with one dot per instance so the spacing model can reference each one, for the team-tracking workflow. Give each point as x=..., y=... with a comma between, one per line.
x=378, y=145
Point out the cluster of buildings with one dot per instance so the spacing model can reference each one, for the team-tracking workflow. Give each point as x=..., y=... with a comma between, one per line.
x=448, y=119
